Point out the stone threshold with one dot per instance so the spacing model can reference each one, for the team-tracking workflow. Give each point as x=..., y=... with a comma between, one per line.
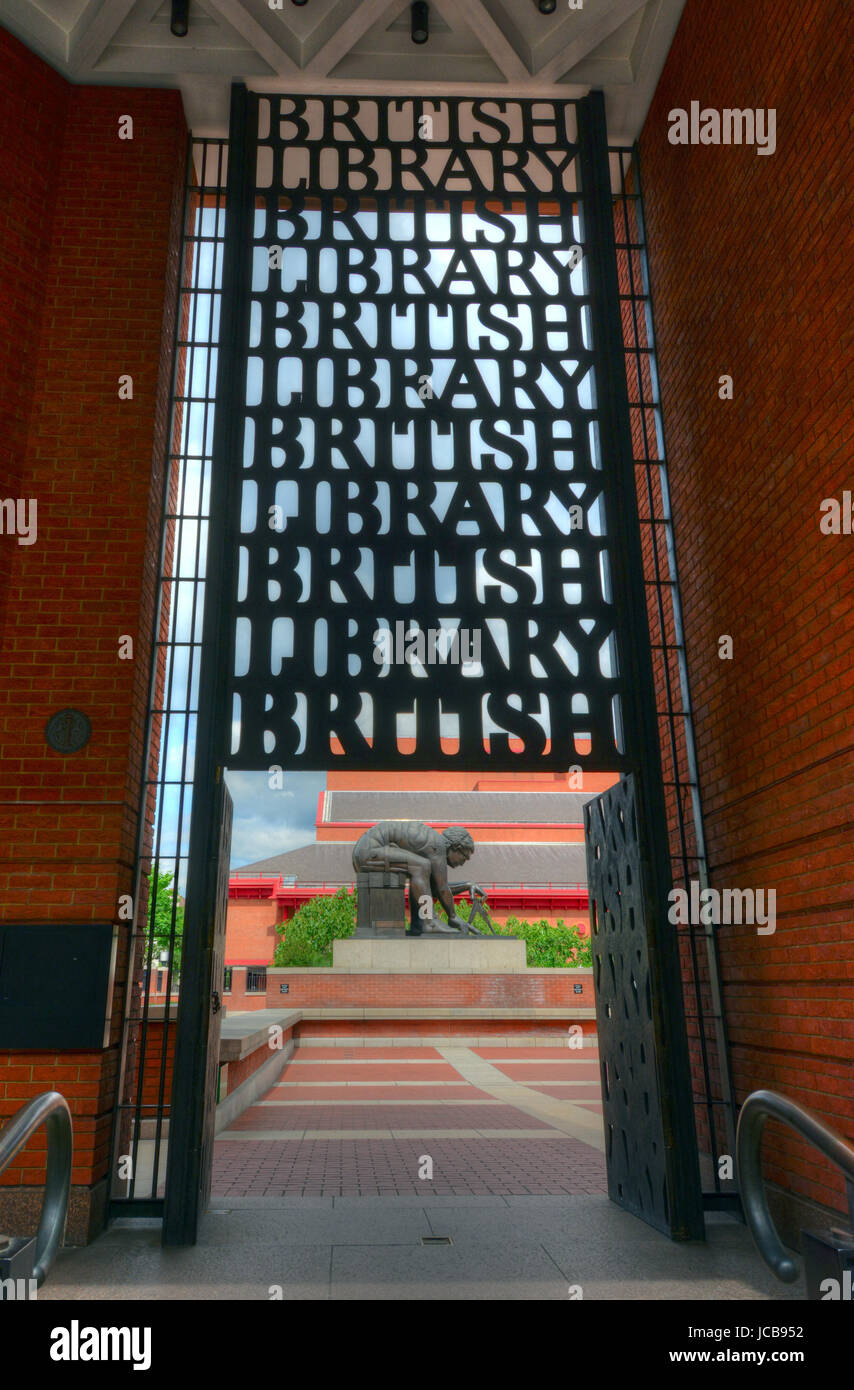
x=420, y=1061
x=428, y=1040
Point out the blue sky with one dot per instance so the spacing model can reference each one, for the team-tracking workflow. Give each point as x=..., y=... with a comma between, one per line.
x=270, y=822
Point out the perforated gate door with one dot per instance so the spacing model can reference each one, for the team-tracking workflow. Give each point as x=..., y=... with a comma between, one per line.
x=634, y=1018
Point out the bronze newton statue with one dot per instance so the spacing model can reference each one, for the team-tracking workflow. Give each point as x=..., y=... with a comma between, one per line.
x=410, y=847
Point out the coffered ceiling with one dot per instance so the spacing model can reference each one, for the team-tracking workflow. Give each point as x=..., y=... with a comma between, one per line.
x=475, y=47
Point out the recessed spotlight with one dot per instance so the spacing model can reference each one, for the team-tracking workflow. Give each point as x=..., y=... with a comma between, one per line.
x=298, y=2
x=420, y=21
x=547, y=6
x=180, y=18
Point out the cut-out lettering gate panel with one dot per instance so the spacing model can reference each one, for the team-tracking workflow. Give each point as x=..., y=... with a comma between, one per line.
x=422, y=574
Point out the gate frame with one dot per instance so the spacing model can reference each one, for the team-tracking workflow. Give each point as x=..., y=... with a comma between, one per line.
x=195, y=1010
x=639, y=715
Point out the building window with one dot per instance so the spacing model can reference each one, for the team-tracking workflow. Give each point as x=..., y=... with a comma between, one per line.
x=256, y=981
x=226, y=983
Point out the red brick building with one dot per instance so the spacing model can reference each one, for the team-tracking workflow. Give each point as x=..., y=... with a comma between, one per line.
x=529, y=855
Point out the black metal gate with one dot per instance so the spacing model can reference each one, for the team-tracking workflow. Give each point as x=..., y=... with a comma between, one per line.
x=514, y=481
x=194, y=1090
x=649, y=1134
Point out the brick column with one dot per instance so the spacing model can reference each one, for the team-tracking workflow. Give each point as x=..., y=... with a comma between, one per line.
x=89, y=269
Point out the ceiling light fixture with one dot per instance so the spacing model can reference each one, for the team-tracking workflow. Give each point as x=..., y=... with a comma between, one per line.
x=420, y=21
x=298, y=2
x=180, y=18
x=547, y=6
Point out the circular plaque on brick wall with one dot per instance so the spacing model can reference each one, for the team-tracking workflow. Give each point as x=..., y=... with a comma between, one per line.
x=68, y=731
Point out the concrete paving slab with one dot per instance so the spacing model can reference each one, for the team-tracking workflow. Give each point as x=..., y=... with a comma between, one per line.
x=287, y=1201
x=570, y=1119
x=504, y=1248
x=138, y=1267
x=464, y=1274
x=426, y=1200
x=359, y=1225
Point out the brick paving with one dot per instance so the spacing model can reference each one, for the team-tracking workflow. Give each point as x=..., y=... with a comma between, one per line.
x=377, y=1167
x=293, y=1147
x=367, y=1054
x=361, y=1091
x=369, y=1071
x=385, y=1117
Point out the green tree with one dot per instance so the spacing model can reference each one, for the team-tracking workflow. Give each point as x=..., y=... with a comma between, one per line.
x=307, y=937
x=161, y=904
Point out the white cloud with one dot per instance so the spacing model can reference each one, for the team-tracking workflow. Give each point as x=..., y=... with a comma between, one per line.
x=268, y=822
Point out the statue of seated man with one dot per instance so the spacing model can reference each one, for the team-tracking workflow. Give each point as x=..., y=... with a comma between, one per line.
x=412, y=848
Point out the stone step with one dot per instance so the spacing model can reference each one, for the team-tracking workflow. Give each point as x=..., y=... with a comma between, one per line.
x=556, y=1039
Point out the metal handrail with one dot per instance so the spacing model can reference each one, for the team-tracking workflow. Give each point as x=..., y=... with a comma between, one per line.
x=50, y=1109
x=759, y=1107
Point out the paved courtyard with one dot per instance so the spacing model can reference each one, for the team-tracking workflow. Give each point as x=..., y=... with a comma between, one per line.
x=317, y=1195
x=361, y=1121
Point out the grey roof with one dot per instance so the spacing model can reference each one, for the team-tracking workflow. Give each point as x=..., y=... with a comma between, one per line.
x=331, y=862
x=458, y=808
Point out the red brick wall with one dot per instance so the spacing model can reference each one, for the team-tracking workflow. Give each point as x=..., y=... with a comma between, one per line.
x=154, y=1063
x=250, y=931
x=235, y=1074
x=238, y=1072
x=28, y=166
x=239, y=999
x=526, y=989
x=88, y=271
x=749, y=266
x=87, y=1084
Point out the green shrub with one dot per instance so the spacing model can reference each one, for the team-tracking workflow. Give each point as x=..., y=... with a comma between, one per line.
x=557, y=945
x=306, y=939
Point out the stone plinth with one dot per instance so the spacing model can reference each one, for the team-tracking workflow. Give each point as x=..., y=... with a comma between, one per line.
x=477, y=954
x=381, y=899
